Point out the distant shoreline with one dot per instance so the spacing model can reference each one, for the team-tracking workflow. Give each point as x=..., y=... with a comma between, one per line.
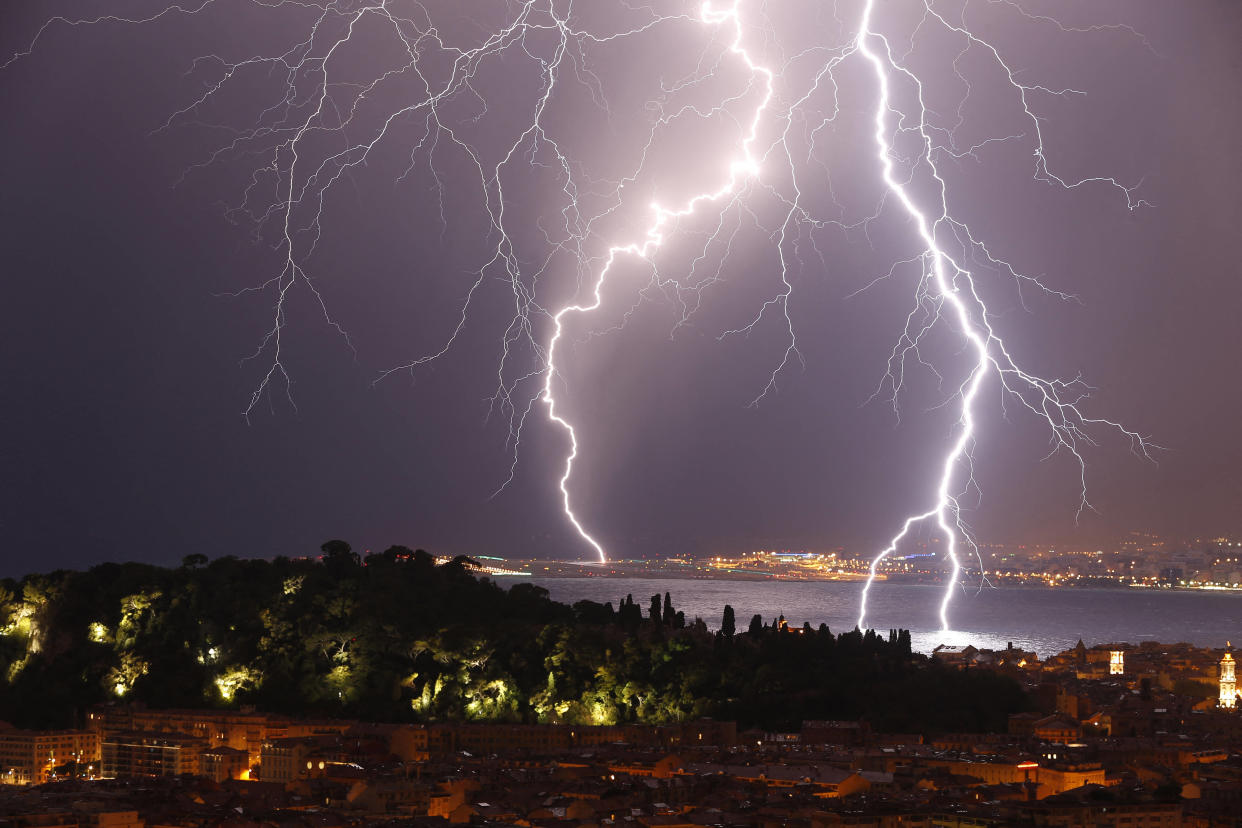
x=760, y=577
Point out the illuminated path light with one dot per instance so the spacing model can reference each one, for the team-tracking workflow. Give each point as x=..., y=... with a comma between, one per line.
x=316, y=131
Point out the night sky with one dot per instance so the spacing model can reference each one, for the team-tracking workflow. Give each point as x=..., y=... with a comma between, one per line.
x=123, y=345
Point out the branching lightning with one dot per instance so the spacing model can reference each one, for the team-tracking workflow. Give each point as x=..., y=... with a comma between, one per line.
x=947, y=282
x=321, y=125
x=662, y=219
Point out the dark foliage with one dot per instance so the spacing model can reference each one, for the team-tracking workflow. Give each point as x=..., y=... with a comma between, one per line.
x=397, y=637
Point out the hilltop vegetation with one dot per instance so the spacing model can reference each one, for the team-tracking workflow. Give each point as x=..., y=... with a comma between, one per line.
x=398, y=638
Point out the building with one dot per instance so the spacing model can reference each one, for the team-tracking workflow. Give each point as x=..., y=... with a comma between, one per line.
x=489, y=738
x=1228, y=684
x=221, y=763
x=955, y=656
x=1091, y=806
x=1047, y=780
x=1116, y=662
x=847, y=733
x=137, y=754
x=283, y=760
x=1057, y=728
x=392, y=794
x=653, y=767
x=409, y=743
x=30, y=757
x=822, y=781
x=243, y=729
x=79, y=818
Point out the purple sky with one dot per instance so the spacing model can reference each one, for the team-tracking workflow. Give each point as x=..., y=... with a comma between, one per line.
x=124, y=434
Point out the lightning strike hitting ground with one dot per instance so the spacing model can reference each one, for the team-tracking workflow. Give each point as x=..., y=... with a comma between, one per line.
x=945, y=281
x=662, y=219
x=320, y=124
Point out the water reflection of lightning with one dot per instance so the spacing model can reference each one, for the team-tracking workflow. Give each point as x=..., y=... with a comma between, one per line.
x=324, y=124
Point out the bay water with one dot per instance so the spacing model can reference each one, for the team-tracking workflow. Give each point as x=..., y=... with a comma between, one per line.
x=1046, y=620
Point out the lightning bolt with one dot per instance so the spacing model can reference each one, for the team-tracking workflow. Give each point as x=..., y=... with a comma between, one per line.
x=323, y=124
x=318, y=99
x=662, y=219
x=947, y=282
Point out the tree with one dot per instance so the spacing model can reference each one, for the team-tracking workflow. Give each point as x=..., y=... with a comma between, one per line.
x=756, y=626
x=668, y=615
x=655, y=613
x=194, y=561
x=390, y=556
x=339, y=556
x=400, y=641
x=335, y=548
x=631, y=614
x=590, y=612
x=728, y=623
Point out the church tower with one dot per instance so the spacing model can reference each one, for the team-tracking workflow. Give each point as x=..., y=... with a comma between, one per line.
x=1228, y=684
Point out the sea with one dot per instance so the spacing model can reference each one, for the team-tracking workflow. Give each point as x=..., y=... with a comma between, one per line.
x=1046, y=620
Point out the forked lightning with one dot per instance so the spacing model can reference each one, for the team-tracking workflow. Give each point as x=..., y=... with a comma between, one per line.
x=322, y=124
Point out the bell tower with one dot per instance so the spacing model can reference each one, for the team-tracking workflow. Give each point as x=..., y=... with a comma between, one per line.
x=1228, y=683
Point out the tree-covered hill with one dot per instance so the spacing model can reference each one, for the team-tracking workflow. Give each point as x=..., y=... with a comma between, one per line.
x=398, y=638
